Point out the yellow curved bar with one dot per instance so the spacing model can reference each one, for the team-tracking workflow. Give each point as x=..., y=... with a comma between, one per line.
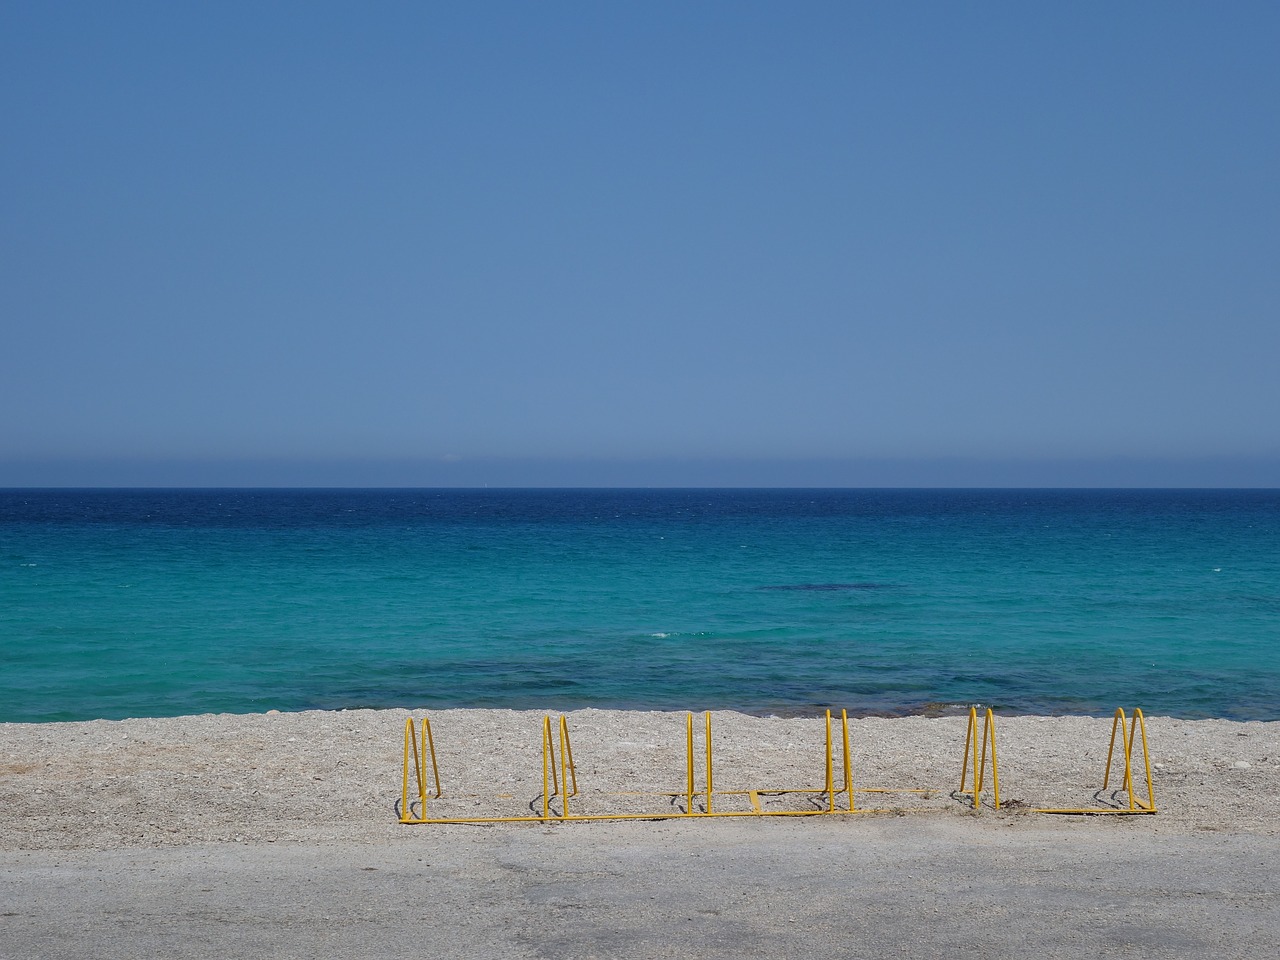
x=1117, y=725
x=709, y=787
x=1141, y=721
x=548, y=769
x=989, y=733
x=566, y=747
x=971, y=733
x=848, y=766
x=564, y=773
x=688, y=800
x=410, y=744
x=429, y=747
x=831, y=780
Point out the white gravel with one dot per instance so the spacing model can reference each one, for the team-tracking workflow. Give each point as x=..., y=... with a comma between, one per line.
x=336, y=776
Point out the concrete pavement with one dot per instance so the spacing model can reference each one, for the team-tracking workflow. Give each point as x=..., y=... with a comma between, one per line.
x=860, y=888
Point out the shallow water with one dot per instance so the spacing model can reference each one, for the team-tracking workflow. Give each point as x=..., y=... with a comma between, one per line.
x=155, y=603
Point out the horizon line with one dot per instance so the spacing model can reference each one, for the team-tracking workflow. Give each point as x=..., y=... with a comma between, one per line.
x=847, y=473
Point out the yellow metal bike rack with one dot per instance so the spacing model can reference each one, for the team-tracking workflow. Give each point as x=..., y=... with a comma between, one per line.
x=560, y=778
x=560, y=781
x=980, y=762
x=1136, y=806
x=557, y=769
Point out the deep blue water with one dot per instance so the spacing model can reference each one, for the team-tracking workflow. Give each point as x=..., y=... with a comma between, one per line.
x=151, y=603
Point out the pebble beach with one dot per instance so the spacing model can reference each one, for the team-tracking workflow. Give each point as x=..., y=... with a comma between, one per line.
x=336, y=776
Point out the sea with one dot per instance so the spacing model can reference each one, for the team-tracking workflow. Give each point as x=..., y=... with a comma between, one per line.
x=143, y=603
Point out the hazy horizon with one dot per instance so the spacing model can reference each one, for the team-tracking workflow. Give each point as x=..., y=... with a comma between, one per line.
x=1206, y=473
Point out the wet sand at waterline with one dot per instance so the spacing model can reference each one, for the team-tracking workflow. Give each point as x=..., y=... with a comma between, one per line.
x=277, y=835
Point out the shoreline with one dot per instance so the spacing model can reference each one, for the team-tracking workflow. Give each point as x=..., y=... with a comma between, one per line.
x=335, y=776
x=927, y=709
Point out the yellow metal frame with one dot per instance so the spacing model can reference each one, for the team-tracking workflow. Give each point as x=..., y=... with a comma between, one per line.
x=1137, y=806
x=980, y=761
x=419, y=762
x=559, y=780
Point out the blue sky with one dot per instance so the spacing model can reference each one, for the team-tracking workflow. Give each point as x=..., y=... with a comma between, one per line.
x=640, y=243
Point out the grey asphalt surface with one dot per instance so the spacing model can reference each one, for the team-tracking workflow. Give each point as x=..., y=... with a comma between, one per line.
x=870, y=887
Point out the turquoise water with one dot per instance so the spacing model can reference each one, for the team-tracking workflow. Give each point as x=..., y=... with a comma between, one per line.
x=156, y=603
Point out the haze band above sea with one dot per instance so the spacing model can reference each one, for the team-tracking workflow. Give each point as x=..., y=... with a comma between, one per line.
x=119, y=603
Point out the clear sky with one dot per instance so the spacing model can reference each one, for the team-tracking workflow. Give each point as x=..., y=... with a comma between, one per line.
x=640, y=243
